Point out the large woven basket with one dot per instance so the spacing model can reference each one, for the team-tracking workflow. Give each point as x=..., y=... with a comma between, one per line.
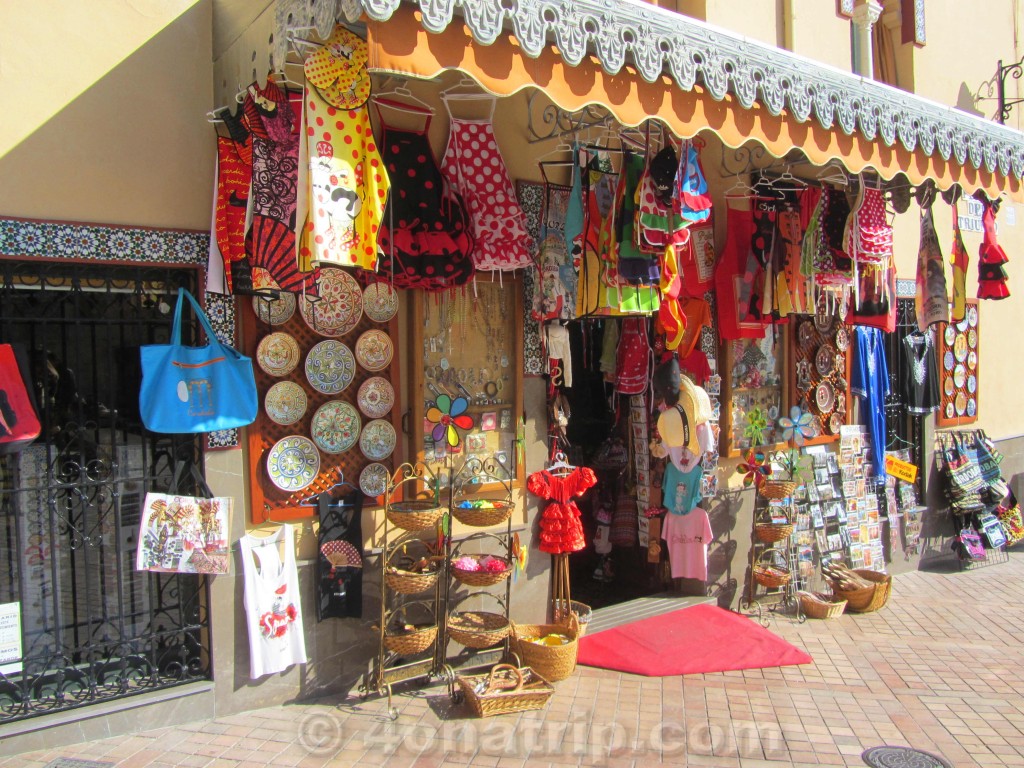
x=478, y=629
x=481, y=578
x=552, y=662
x=483, y=517
x=414, y=515
x=866, y=599
x=778, y=489
x=505, y=689
x=411, y=643
x=410, y=582
x=821, y=606
x=772, y=532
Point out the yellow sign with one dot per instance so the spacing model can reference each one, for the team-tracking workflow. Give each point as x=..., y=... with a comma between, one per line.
x=901, y=470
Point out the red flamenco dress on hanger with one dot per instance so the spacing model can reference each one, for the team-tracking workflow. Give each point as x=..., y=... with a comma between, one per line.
x=561, y=531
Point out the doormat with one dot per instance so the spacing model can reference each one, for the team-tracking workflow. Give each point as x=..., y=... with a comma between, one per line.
x=72, y=762
x=902, y=757
x=704, y=638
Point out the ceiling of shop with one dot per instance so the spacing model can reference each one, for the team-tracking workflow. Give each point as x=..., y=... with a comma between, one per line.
x=231, y=18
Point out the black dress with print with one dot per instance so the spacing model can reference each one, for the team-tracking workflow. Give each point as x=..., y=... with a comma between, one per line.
x=919, y=376
x=340, y=556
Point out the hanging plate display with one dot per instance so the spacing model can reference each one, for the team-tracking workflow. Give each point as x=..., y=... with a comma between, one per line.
x=376, y=397
x=378, y=440
x=330, y=367
x=374, y=350
x=972, y=359
x=293, y=463
x=274, y=311
x=960, y=376
x=972, y=407
x=278, y=354
x=380, y=302
x=961, y=404
x=335, y=426
x=373, y=480
x=339, y=307
x=947, y=385
x=972, y=383
x=949, y=335
x=806, y=332
x=825, y=360
x=842, y=339
x=960, y=347
x=972, y=316
x=285, y=403
x=947, y=360
x=824, y=397
x=972, y=338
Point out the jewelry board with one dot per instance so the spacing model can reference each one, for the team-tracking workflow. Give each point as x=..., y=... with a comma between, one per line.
x=332, y=457
x=959, y=361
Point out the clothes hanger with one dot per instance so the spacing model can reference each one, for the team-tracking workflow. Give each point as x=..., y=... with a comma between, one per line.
x=740, y=189
x=560, y=466
x=474, y=90
x=402, y=99
x=314, y=501
x=833, y=174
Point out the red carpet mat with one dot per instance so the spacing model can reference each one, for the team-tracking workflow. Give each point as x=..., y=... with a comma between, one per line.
x=704, y=638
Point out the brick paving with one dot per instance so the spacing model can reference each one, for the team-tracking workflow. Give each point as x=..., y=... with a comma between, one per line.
x=938, y=669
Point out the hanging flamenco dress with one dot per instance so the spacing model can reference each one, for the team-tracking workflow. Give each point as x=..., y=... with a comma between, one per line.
x=561, y=531
x=347, y=186
x=739, y=281
x=234, y=177
x=425, y=238
x=270, y=241
x=991, y=273
x=474, y=168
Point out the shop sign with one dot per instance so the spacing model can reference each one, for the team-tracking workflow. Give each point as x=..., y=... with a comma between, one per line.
x=901, y=470
x=970, y=220
x=10, y=638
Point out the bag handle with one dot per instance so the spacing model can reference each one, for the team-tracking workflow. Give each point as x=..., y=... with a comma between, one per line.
x=179, y=472
x=211, y=336
x=494, y=685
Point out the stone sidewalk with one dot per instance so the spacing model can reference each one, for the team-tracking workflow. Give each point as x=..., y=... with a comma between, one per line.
x=939, y=669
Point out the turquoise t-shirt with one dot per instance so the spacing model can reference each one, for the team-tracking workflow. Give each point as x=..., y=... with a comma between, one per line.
x=681, y=490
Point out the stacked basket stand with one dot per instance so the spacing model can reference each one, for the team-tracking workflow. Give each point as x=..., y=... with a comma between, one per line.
x=773, y=561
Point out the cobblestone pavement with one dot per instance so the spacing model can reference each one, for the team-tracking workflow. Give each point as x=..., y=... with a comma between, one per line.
x=938, y=669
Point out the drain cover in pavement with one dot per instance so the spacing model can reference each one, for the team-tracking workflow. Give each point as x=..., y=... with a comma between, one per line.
x=902, y=757
x=71, y=762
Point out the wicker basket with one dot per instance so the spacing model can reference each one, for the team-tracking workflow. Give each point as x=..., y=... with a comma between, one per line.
x=866, y=599
x=414, y=515
x=772, y=532
x=552, y=662
x=482, y=578
x=584, y=613
x=821, y=606
x=483, y=517
x=505, y=689
x=410, y=582
x=778, y=489
x=411, y=643
x=478, y=629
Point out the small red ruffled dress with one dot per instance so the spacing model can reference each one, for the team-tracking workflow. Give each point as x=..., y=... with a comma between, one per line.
x=560, y=528
x=991, y=272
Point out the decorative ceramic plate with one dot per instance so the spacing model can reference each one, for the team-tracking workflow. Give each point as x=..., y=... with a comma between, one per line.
x=835, y=424
x=376, y=397
x=341, y=554
x=373, y=480
x=285, y=403
x=949, y=410
x=274, y=311
x=972, y=316
x=335, y=426
x=972, y=407
x=339, y=307
x=959, y=375
x=842, y=339
x=378, y=440
x=947, y=385
x=374, y=350
x=824, y=397
x=960, y=347
x=278, y=354
x=949, y=335
x=806, y=332
x=824, y=322
x=330, y=367
x=972, y=359
x=963, y=325
x=380, y=302
x=972, y=339
x=293, y=463
x=948, y=361
x=825, y=360
x=961, y=404
x=841, y=401
x=972, y=383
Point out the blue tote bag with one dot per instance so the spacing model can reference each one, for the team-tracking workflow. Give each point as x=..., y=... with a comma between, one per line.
x=195, y=389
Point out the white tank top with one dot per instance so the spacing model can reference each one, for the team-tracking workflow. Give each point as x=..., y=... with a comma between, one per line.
x=272, y=606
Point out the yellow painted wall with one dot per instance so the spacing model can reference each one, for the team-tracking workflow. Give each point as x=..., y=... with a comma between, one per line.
x=133, y=146
x=816, y=31
x=759, y=20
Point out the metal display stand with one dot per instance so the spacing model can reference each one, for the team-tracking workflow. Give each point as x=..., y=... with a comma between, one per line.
x=766, y=596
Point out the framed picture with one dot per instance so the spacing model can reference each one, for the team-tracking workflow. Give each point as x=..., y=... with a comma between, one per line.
x=488, y=421
x=476, y=443
x=505, y=420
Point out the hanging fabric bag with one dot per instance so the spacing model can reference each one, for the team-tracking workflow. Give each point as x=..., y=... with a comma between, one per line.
x=19, y=424
x=195, y=389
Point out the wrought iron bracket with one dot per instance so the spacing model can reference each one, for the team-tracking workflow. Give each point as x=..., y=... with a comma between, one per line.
x=1015, y=71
